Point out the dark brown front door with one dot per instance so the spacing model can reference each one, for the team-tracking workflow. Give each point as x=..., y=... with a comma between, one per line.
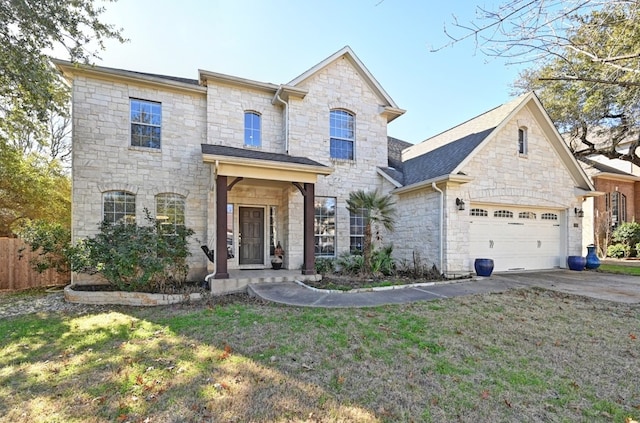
x=251, y=235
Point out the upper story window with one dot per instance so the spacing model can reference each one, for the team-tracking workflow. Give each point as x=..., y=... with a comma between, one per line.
x=170, y=212
x=252, y=129
x=119, y=207
x=342, y=133
x=146, y=121
x=522, y=140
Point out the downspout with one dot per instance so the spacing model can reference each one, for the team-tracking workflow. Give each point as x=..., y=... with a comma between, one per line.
x=435, y=187
x=286, y=120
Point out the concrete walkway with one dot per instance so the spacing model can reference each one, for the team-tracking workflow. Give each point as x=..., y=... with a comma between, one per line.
x=604, y=286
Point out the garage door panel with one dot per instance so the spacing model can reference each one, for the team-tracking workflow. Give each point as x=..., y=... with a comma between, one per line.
x=516, y=243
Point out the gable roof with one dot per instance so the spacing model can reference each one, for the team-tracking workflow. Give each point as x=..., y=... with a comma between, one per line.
x=446, y=154
x=389, y=105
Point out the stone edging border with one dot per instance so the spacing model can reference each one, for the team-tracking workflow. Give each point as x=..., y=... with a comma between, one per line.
x=126, y=298
x=387, y=288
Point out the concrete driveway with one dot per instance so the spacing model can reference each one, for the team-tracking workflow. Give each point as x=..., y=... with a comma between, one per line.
x=604, y=286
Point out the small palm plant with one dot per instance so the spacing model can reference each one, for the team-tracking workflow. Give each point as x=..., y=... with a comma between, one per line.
x=377, y=209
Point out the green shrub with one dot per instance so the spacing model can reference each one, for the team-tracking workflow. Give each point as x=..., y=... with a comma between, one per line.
x=627, y=233
x=618, y=251
x=382, y=262
x=350, y=263
x=134, y=257
x=324, y=265
x=52, y=241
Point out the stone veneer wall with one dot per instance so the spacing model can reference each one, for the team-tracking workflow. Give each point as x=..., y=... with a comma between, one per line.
x=339, y=86
x=502, y=176
x=104, y=160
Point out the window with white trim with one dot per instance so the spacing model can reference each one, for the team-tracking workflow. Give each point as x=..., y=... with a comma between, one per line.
x=325, y=226
x=522, y=140
x=170, y=212
x=549, y=216
x=479, y=212
x=119, y=207
x=252, y=129
x=618, y=208
x=146, y=123
x=503, y=213
x=342, y=134
x=357, y=223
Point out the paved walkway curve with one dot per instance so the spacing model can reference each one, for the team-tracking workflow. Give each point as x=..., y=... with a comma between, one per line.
x=605, y=286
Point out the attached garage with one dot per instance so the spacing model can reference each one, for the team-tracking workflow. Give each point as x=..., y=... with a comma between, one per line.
x=517, y=238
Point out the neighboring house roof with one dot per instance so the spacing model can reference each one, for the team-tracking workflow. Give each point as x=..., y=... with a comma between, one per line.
x=446, y=154
x=390, y=106
x=597, y=169
x=245, y=153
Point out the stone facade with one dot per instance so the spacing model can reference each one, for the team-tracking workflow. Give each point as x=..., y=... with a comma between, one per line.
x=295, y=123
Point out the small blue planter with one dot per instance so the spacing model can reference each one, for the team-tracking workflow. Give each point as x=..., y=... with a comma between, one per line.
x=576, y=262
x=593, y=262
x=483, y=266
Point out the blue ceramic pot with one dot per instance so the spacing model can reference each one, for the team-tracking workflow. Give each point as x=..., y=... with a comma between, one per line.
x=593, y=262
x=483, y=266
x=576, y=262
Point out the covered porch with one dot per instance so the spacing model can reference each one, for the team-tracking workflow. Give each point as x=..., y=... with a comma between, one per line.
x=256, y=201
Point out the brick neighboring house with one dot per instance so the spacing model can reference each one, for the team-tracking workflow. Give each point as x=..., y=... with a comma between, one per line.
x=248, y=165
x=619, y=202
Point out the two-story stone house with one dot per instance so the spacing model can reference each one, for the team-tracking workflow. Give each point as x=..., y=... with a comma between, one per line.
x=248, y=165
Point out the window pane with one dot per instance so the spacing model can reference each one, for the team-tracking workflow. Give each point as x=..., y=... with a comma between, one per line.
x=119, y=206
x=342, y=134
x=325, y=226
x=170, y=212
x=252, y=136
x=146, y=120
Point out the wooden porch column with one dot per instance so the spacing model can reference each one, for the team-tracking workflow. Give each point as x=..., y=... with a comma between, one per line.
x=309, y=265
x=221, y=228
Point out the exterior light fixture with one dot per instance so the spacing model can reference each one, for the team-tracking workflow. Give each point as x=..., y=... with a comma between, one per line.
x=579, y=212
x=460, y=203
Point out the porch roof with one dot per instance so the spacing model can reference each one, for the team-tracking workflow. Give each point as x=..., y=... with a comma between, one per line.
x=251, y=163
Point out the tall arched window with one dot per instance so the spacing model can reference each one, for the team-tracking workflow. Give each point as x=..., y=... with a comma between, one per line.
x=522, y=140
x=118, y=207
x=252, y=129
x=342, y=126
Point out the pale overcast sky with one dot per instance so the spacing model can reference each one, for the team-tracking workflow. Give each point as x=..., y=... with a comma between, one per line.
x=276, y=40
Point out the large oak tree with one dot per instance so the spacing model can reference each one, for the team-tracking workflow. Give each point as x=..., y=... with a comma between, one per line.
x=585, y=57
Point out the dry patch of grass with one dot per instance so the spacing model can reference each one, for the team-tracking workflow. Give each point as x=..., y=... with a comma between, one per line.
x=521, y=356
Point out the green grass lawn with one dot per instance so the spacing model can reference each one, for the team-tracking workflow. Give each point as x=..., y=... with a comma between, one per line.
x=523, y=356
x=620, y=268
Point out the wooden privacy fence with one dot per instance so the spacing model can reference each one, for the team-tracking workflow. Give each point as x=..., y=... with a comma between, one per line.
x=16, y=272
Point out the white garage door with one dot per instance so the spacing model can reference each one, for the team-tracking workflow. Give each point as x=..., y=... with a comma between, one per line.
x=516, y=238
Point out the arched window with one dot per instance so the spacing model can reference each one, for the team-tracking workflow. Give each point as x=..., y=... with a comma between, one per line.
x=170, y=212
x=522, y=140
x=118, y=207
x=503, y=213
x=342, y=126
x=252, y=129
